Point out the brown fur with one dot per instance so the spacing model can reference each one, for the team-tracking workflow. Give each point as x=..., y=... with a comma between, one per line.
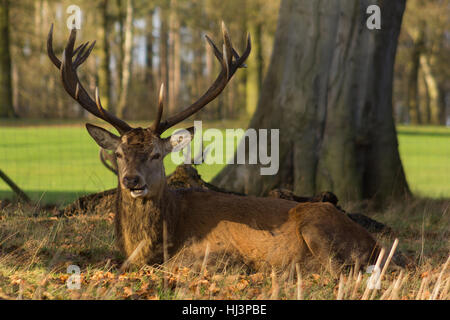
x=260, y=232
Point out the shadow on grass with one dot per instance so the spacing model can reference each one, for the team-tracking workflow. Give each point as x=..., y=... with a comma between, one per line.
x=423, y=133
x=48, y=197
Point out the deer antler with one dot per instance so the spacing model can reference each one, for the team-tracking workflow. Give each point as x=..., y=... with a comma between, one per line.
x=230, y=61
x=72, y=83
x=154, y=126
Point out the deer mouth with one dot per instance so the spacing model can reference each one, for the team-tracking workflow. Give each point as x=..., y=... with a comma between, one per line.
x=139, y=192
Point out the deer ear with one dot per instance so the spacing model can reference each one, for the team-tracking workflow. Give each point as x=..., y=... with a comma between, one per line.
x=104, y=138
x=178, y=140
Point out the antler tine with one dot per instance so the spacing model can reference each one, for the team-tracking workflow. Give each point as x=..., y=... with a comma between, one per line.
x=99, y=103
x=218, y=54
x=72, y=83
x=227, y=62
x=50, y=52
x=247, y=51
x=80, y=49
x=77, y=91
x=227, y=45
x=82, y=56
x=155, y=126
x=239, y=63
x=216, y=51
x=229, y=67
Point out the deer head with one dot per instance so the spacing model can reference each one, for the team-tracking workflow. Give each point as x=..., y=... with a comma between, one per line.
x=140, y=151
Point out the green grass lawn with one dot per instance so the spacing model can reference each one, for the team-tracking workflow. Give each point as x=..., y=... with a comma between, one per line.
x=57, y=163
x=425, y=153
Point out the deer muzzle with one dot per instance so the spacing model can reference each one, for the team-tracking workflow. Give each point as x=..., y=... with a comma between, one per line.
x=135, y=185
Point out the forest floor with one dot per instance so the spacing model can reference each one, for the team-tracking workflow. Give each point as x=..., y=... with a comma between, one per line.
x=36, y=249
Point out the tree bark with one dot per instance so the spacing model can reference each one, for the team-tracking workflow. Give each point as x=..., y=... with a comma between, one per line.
x=149, y=77
x=425, y=99
x=6, y=92
x=126, y=64
x=104, y=74
x=163, y=49
x=174, y=57
x=415, y=115
x=384, y=177
x=329, y=90
x=121, y=43
x=442, y=104
x=432, y=90
x=253, y=80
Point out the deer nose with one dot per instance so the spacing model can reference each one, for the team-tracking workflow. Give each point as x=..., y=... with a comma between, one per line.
x=130, y=181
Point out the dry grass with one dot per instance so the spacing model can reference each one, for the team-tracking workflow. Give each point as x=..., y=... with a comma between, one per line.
x=36, y=248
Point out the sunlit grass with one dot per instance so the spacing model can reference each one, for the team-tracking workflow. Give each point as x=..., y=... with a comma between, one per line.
x=60, y=162
x=425, y=153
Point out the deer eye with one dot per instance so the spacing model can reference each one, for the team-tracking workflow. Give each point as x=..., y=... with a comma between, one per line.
x=156, y=156
x=118, y=155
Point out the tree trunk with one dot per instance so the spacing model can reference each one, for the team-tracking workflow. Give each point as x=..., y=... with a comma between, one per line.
x=442, y=104
x=104, y=74
x=384, y=177
x=149, y=79
x=329, y=90
x=121, y=43
x=432, y=90
x=415, y=115
x=174, y=57
x=164, y=50
x=211, y=70
x=6, y=92
x=198, y=67
x=253, y=80
x=425, y=98
x=126, y=64
x=15, y=88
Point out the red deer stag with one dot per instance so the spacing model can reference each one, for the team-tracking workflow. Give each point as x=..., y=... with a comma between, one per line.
x=161, y=222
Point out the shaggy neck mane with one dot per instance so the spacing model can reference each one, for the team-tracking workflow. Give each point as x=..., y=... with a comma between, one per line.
x=140, y=220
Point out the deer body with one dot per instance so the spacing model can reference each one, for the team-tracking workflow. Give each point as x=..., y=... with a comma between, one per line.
x=154, y=223
x=261, y=232
x=192, y=223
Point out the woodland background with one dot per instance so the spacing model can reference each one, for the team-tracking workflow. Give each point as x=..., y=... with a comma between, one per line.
x=143, y=43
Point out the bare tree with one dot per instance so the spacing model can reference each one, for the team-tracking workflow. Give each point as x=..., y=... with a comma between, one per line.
x=413, y=76
x=174, y=55
x=6, y=92
x=104, y=74
x=164, y=48
x=126, y=64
